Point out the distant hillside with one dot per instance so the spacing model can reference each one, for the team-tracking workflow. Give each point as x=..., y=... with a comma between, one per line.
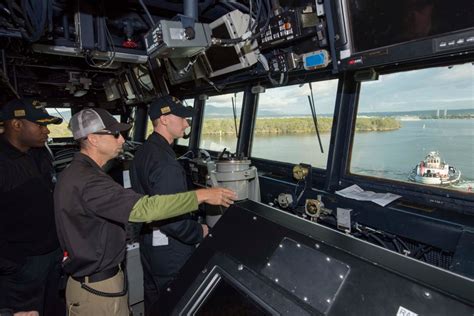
x=224, y=112
x=217, y=111
x=425, y=113
x=212, y=111
x=296, y=125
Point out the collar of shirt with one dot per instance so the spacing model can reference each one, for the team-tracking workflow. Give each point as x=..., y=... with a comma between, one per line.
x=86, y=159
x=159, y=140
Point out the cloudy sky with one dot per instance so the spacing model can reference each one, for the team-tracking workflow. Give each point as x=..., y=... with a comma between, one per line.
x=427, y=89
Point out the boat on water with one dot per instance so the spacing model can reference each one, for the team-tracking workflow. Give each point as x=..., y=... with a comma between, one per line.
x=432, y=170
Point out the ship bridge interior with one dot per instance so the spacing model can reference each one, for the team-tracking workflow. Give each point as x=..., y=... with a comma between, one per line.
x=322, y=115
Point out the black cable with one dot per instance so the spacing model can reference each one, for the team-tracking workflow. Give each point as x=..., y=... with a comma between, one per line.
x=397, y=245
x=104, y=294
x=233, y=41
x=49, y=16
x=259, y=12
x=35, y=22
x=12, y=7
x=147, y=13
x=262, y=29
x=404, y=245
x=422, y=252
x=240, y=6
x=110, y=59
x=378, y=240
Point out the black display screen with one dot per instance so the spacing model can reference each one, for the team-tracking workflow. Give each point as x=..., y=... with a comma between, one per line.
x=221, y=57
x=225, y=299
x=379, y=23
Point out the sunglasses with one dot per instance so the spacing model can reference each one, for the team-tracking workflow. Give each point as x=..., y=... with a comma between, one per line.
x=115, y=134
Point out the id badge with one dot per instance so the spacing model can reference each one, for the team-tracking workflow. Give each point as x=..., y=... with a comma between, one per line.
x=159, y=239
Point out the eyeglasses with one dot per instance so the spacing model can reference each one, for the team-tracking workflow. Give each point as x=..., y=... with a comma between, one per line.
x=115, y=134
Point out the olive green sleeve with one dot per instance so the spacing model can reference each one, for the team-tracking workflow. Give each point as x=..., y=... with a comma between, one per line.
x=158, y=207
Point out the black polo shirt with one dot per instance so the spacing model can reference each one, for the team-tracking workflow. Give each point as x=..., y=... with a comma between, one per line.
x=91, y=213
x=27, y=225
x=155, y=170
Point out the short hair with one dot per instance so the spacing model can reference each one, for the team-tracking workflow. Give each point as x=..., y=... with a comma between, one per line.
x=155, y=122
x=83, y=143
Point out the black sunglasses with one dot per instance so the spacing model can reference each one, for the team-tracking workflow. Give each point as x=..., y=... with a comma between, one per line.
x=115, y=134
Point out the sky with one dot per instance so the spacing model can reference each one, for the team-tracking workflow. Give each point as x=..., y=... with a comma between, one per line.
x=426, y=89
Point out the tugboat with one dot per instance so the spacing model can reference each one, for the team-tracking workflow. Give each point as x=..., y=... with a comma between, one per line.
x=434, y=171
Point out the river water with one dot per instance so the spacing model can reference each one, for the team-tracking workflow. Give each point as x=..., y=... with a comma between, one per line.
x=391, y=154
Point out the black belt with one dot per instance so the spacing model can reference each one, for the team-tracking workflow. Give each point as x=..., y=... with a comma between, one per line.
x=99, y=276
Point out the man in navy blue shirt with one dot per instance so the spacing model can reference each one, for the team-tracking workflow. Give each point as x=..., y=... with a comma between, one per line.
x=29, y=250
x=164, y=245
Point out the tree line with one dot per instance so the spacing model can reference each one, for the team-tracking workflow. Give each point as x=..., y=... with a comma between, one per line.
x=272, y=126
x=297, y=125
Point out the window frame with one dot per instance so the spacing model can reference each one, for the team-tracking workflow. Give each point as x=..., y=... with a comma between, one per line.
x=321, y=170
x=239, y=116
x=412, y=193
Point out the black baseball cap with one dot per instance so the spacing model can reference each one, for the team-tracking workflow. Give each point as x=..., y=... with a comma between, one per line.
x=89, y=121
x=30, y=110
x=169, y=105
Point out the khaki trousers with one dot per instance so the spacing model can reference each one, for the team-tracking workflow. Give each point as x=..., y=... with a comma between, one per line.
x=81, y=302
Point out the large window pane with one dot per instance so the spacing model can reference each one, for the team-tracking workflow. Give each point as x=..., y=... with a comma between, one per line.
x=405, y=117
x=220, y=129
x=284, y=130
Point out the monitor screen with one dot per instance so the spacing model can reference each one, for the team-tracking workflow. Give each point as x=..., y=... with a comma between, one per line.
x=226, y=299
x=379, y=23
x=221, y=57
x=233, y=56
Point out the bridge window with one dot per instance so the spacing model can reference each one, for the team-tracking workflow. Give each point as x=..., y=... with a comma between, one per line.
x=417, y=126
x=220, y=129
x=60, y=130
x=284, y=129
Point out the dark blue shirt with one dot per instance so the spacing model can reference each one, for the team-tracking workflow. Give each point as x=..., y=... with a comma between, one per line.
x=27, y=226
x=155, y=170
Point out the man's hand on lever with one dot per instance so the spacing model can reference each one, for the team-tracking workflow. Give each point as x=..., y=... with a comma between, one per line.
x=216, y=196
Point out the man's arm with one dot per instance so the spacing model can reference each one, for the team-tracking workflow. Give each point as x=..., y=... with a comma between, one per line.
x=158, y=207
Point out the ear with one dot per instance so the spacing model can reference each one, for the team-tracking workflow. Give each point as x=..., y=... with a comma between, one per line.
x=16, y=124
x=93, y=139
x=163, y=119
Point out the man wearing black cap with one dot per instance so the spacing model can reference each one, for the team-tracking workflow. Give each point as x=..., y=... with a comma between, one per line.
x=29, y=250
x=164, y=245
x=92, y=211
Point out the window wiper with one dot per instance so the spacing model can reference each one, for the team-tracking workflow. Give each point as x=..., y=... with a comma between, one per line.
x=235, y=117
x=315, y=119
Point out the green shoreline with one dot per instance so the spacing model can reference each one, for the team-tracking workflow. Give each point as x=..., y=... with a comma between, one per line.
x=272, y=126
x=282, y=126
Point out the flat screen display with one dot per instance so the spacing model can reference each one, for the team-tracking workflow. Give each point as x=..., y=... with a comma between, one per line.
x=225, y=299
x=379, y=23
x=221, y=57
